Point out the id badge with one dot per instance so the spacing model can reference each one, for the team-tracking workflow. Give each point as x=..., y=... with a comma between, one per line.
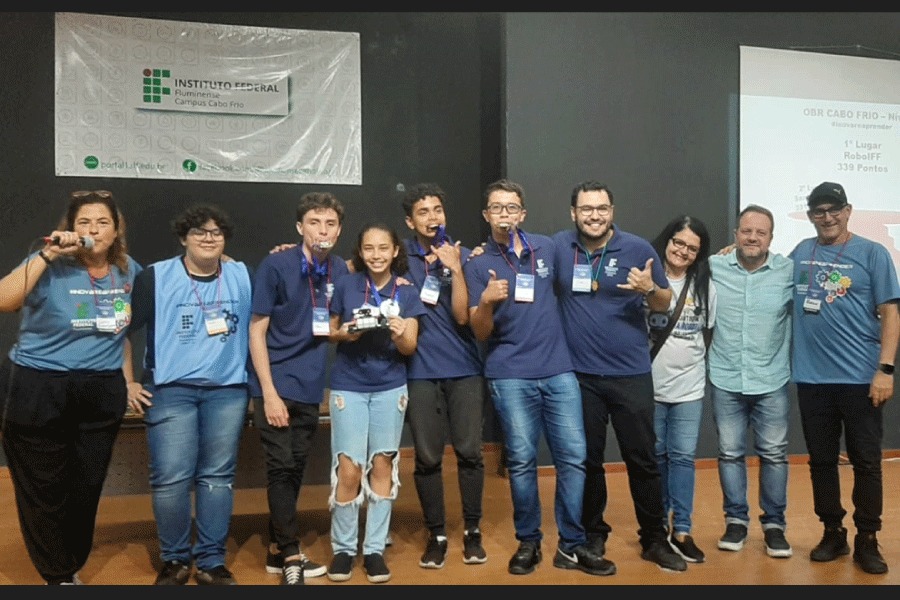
x=215, y=321
x=390, y=308
x=320, y=321
x=431, y=290
x=524, y=287
x=812, y=302
x=581, y=278
x=106, y=319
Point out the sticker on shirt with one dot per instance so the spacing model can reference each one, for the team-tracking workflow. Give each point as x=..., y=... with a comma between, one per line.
x=524, y=287
x=431, y=290
x=215, y=321
x=320, y=321
x=581, y=278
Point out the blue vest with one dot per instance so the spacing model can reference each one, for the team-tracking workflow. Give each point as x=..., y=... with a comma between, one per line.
x=184, y=350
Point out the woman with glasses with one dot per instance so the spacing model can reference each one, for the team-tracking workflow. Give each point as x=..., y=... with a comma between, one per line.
x=679, y=372
x=194, y=397
x=63, y=384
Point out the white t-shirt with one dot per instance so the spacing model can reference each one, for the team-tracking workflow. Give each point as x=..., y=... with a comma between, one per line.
x=679, y=370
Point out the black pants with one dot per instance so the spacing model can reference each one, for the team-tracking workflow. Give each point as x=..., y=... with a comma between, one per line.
x=825, y=411
x=286, y=451
x=58, y=437
x=628, y=403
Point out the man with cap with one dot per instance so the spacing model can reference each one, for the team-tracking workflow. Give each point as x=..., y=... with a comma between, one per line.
x=846, y=330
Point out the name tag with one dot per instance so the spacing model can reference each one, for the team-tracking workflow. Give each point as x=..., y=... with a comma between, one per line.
x=215, y=322
x=581, y=278
x=431, y=290
x=524, y=287
x=106, y=319
x=320, y=321
x=812, y=302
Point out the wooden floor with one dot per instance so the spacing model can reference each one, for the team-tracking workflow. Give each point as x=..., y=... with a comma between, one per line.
x=126, y=550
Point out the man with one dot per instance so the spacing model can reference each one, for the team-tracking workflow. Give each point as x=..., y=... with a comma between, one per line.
x=604, y=276
x=445, y=383
x=289, y=349
x=513, y=308
x=749, y=369
x=846, y=331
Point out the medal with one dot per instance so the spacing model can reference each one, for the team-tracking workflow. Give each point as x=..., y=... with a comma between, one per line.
x=595, y=285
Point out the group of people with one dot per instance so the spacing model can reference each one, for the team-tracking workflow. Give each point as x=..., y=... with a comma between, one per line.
x=553, y=329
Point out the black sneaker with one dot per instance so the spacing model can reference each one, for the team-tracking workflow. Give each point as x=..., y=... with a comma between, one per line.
x=661, y=553
x=525, y=559
x=776, y=544
x=832, y=545
x=866, y=554
x=435, y=552
x=734, y=537
x=173, y=573
x=215, y=576
x=292, y=573
x=473, y=551
x=687, y=549
x=376, y=568
x=275, y=564
x=583, y=559
x=597, y=545
x=341, y=567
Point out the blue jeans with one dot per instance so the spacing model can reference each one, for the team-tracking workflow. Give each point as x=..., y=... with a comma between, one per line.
x=193, y=435
x=677, y=426
x=527, y=407
x=768, y=415
x=364, y=424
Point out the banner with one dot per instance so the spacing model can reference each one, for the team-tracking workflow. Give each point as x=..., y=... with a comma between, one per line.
x=158, y=99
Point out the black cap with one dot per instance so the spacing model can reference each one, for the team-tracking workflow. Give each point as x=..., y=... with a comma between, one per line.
x=827, y=192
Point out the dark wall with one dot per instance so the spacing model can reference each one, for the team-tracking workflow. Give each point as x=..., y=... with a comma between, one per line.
x=647, y=102
x=422, y=119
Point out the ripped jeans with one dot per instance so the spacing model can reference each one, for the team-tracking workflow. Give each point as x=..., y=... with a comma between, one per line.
x=193, y=435
x=364, y=424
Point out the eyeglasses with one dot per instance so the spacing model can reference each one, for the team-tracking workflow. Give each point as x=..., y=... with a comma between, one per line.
x=200, y=233
x=819, y=213
x=496, y=209
x=682, y=245
x=103, y=194
x=586, y=210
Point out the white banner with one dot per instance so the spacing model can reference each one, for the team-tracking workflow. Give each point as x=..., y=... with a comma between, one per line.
x=156, y=99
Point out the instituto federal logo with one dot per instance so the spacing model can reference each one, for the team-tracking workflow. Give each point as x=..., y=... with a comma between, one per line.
x=153, y=85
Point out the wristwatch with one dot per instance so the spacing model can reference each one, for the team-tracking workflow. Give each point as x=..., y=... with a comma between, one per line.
x=886, y=368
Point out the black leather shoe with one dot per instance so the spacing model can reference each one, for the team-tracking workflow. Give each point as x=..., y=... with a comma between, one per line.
x=525, y=559
x=866, y=554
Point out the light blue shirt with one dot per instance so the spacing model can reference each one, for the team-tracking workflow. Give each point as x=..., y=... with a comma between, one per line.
x=750, y=351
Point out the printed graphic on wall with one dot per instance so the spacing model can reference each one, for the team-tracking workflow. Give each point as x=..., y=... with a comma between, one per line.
x=159, y=99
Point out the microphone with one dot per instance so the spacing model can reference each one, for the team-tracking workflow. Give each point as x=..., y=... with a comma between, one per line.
x=84, y=240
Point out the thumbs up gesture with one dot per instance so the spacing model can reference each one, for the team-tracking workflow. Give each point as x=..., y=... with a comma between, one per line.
x=497, y=290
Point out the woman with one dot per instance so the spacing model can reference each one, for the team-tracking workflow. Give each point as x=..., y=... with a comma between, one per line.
x=63, y=380
x=196, y=308
x=679, y=373
x=374, y=321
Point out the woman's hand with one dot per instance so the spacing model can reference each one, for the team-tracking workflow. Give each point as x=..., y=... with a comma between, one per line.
x=138, y=397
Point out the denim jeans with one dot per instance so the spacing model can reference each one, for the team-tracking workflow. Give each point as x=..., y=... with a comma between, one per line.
x=364, y=424
x=768, y=415
x=286, y=450
x=193, y=435
x=439, y=408
x=526, y=408
x=677, y=426
x=826, y=410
